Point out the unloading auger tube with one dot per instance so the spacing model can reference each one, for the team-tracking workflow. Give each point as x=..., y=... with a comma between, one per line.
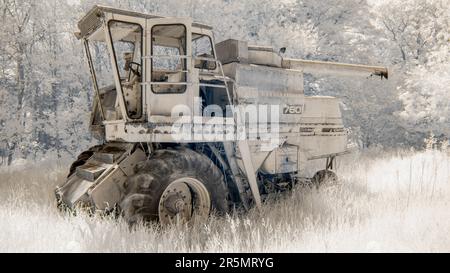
x=332, y=68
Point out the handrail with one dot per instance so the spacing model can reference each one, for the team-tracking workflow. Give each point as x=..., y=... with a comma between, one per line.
x=166, y=83
x=166, y=56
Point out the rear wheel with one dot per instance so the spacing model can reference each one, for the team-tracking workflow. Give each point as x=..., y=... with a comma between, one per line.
x=324, y=178
x=174, y=186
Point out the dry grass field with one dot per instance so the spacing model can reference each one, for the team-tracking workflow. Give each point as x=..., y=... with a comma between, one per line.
x=398, y=201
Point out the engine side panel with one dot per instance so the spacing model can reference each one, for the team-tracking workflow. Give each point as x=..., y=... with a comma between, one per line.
x=312, y=126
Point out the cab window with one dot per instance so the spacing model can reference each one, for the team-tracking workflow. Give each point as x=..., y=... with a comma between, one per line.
x=169, y=69
x=202, y=51
x=126, y=39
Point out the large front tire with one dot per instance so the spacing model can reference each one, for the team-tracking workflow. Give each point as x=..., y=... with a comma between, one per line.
x=174, y=186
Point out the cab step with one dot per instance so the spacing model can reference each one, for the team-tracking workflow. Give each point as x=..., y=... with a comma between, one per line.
x=89, y=171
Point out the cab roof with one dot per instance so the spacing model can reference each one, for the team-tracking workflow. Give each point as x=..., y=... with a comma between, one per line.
x=92, y=20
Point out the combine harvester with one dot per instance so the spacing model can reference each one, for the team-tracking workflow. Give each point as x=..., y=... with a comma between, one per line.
x=189, y=126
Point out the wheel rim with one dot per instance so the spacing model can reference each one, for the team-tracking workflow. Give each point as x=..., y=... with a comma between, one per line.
x=184, y=200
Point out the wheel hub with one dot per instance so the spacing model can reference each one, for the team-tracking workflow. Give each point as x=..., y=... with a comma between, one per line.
x=182, y=200
x=175, y=203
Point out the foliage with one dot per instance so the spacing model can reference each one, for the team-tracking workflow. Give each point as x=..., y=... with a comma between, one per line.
x=46, y=95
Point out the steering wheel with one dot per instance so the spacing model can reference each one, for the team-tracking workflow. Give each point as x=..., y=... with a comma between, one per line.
x=135, y=71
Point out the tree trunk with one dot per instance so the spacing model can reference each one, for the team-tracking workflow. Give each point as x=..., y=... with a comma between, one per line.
x=20, y=82
x=11, y=149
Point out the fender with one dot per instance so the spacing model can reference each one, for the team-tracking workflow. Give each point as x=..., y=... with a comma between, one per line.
x=97, y=183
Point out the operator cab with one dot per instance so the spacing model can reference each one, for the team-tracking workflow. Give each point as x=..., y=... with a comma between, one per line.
x=143, y=65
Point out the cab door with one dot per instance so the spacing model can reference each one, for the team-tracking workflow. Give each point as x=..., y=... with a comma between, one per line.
x=124, y=37
x=169, y=81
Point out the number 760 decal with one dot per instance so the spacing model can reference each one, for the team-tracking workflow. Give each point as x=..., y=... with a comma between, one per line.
x=293, y=109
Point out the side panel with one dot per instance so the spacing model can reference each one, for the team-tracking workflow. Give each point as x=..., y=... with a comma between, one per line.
x=309, y=127
x=324, y=132
x=265, y=78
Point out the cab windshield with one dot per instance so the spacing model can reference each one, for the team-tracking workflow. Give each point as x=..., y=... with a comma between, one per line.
x=126, y=39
